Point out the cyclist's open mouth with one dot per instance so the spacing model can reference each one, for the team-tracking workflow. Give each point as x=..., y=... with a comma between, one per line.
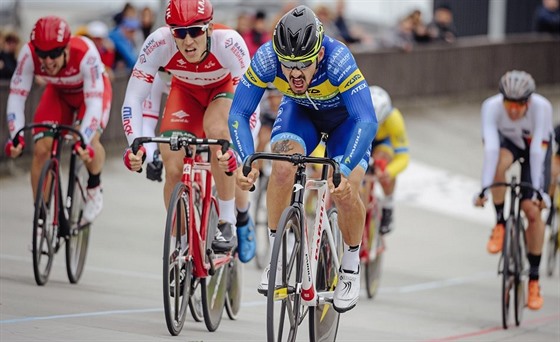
x=298, y=84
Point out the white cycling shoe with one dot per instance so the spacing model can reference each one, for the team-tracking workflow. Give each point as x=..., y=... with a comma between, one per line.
x=347, y=291
x=94, y=204
x=263, y=286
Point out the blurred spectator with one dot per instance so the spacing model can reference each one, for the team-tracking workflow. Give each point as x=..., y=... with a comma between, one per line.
x=98, y=32
x=419, y=28
x=335, y=23
x=547, y=17
x=9, y=43
x=128, y=11
x=442, y=27
x=147, y=20
x=400, y=37
x=124, y=39
x=253, y=29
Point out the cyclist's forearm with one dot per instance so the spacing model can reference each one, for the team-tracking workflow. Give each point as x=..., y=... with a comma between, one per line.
x=398, y=164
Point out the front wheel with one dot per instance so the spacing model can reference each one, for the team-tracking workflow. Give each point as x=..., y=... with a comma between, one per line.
x=177, y=271
x=552, y=242
x=45, y=231
x=78, y=239
x=283, y=302
x=520, y=283
x=507, y=271
x=233, y=300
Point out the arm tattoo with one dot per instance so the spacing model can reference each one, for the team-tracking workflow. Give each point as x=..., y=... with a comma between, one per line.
x=283, y=146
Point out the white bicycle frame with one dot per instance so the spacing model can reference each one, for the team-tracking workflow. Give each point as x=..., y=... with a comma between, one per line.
x=309, y=294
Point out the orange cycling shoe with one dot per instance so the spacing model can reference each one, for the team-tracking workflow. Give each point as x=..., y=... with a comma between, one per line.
x=535, y=301
x=496, y=239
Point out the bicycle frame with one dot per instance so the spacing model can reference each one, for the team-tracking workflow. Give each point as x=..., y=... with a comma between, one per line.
x=371, y=235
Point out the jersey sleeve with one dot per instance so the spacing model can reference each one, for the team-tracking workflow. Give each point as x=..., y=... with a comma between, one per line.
x=140, y=83
x=20, y=85
x=92, y=68
x=537, y=149
x=491, y=141
x=345, y=74
x=235, y=55
x=247, y=97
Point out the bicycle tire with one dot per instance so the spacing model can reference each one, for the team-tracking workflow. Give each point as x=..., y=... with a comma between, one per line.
x=552, y=242
x=47, y=206
x=235, y=283
x=520, y=283
x=283, y=300
x=176, y=298
x=78, y=237
x=261, y=225
x=507, y=272
x=374, y=266
x=323, y=319
x=214, y=287
x=195, y=302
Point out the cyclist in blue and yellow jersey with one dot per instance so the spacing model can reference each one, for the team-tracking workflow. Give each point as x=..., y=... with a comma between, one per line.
x=391, y=145
x=324, y=91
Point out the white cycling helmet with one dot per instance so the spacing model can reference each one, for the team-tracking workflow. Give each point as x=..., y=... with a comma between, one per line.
x=517, y=85
x=381, y=102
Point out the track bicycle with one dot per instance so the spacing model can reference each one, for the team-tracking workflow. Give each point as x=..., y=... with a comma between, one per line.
x=373, y=243
x=553, y=242
x=513, y=264
x=308, y=261
x=58, y=214
x=190, y=265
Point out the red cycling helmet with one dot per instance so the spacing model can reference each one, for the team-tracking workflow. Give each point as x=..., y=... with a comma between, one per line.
x=183, y=13
x=50, y=33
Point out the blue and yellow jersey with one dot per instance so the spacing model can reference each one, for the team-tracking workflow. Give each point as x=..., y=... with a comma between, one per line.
x=337, y=84
x=393, y=129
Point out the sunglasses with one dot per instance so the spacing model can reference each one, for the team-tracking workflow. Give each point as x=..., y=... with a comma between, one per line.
x=193, y=31
x=300, y=65
x=509, y=104
x=52, y=54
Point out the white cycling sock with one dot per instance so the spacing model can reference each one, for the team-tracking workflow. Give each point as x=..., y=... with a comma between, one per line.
x=388, y=201
x=350, y=258
x=227, y=211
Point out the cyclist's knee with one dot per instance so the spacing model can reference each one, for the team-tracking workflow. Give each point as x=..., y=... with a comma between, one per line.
x=282, y=174
x=42, y=149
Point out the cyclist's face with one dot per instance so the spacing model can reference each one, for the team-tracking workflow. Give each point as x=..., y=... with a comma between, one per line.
x=52, y=65
x=299, y=79
x=192, y=40
x=515, y=110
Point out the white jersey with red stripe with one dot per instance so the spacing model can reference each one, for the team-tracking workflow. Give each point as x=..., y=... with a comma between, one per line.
x=533, y=132
x=226, y=61
x=82, y=72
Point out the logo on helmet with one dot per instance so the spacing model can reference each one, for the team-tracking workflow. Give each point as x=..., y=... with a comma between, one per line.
x=60, y=32
x=200, y=6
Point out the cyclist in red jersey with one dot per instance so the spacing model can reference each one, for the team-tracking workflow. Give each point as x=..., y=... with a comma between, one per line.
x=78, y=92
x=206, y=61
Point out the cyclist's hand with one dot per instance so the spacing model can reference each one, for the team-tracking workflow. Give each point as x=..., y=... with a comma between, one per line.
x=383, y=176
x=343, y=191
x=227, y=161
x=86, y=154
x=14, y=151
x=247, y=183
x=545, y=203
x=479, y=201
x=132, y=161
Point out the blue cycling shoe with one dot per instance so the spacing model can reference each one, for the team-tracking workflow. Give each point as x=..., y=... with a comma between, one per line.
x=246, y=243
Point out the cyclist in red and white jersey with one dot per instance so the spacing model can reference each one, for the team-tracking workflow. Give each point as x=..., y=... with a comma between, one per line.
x=206, y=61
x=517, y=125
x=78, y=92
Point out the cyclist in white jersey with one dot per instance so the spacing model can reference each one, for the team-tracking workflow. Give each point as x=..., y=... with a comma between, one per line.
x=517, y=125
x=206, y=61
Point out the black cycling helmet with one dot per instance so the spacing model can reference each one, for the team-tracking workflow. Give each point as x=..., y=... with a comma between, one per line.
x=298, y=36
x=517, y=85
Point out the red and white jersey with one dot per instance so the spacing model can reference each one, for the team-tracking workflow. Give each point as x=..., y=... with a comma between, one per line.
x=227, y=61
x=533, y=132
x=83, y=72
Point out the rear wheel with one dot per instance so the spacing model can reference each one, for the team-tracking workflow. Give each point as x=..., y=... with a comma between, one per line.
x=177, y=272
x=235, y=283
x=323, y=319
x=284, y=309
x=507, y=270
x=44, y=240
x=195, y=301
x=78, y=239
x=374, y=263
x=214, y=287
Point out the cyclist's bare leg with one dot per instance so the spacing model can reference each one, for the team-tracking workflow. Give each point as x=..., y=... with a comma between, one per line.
x=215, y=127
x=351, y=210
x=41, y=153
x=95, y=166
x=504, y=162
x=535, y=228
x=280, y=182
x=173, y=164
